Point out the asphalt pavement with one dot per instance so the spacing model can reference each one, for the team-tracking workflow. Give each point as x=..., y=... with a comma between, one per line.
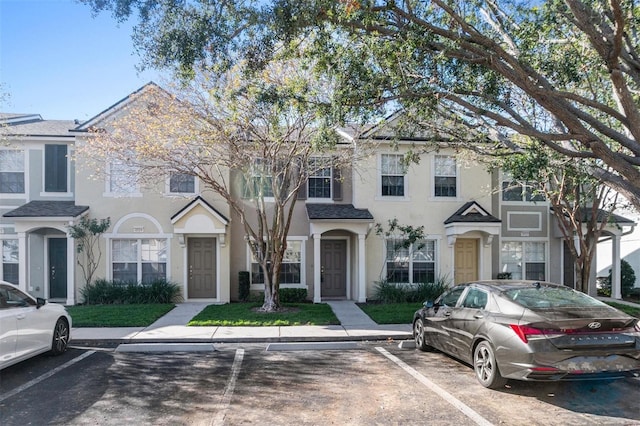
x=172, y=328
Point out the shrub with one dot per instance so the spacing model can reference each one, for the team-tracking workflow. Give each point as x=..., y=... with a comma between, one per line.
x=504, y=276
x=244, y=285
x=627, y=280
x=293, y=295
x=386, y=292
x=104, y=292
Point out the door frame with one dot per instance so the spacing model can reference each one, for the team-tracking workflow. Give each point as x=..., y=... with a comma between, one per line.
x=347, y=263
x=185, y=263
x=478, y=257
x=47, y=262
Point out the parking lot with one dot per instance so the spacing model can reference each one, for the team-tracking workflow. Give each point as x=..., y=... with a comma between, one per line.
x=323, y=384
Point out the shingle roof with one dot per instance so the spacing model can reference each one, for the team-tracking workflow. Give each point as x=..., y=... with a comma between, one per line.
x=33, y=125
x=327, y=211
x=47, y=209
x=471, y=212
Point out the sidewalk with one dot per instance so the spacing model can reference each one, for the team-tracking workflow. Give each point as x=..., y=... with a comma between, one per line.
x=172, y=328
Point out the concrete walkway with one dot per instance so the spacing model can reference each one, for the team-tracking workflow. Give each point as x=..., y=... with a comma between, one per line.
x=172, y=328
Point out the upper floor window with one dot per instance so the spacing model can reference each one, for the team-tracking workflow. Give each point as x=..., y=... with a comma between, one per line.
x=445, y=176
x=261, y=180
x=520, y=191
x=414, y=264
x=55, y=168
x=182, y=183
x=320, y=177
x=11, y=171
x=524, y=260
x=122, y=178
x=392, y=175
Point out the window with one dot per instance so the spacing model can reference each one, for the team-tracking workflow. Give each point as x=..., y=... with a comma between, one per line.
x=450, y=299
x=524, y=260
x=475, y=299
x=11, y=171
x=392, y=171
x=122, y=178
x=445, y=176
x=139, y=260
x=414, y=265
x=182, y=183
x=290, y=273
x=261, y=180
x=55, y=168
x=518, y=191
x=10, y=261
x=320, y=178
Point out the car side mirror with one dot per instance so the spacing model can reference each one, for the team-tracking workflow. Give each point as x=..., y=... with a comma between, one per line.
x=40, y=302
x=428, y=304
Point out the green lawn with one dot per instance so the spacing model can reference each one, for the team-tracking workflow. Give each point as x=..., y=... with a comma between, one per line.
x=625, y=308
x=117, y=315
x=391, y=313
x=245, y=314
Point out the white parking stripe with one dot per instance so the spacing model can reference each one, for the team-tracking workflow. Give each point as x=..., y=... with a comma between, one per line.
x=466, y=410
x=45, y=376
x=228, y=391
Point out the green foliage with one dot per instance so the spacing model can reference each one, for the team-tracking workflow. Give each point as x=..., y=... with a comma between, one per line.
x=406, y=234
x=627, y=280
x=244, y=285
x=386, y=292
x=504, y=276
x=86, y=234
x=104, y=292
x=293, y=295
x=248, y=314
x=117, y=315
x=391, y=313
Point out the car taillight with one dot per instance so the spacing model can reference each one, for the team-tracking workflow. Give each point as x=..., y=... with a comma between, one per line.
x=524, y=332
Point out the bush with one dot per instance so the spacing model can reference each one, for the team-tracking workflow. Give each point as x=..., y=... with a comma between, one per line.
x=627, y=280
x=244, y=286
x=387, y=292
x=293, y=295
x=104, y=292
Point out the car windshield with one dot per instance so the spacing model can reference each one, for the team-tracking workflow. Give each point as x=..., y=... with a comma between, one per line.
x=551, y=297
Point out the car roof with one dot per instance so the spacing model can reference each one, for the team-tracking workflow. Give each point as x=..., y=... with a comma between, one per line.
x=504, y=285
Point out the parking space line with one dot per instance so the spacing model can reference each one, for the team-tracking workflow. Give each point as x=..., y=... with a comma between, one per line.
x=45, y=376
x=465, y=409
x=229, y=389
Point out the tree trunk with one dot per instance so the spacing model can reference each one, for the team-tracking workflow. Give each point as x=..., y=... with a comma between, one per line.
x=271, y=294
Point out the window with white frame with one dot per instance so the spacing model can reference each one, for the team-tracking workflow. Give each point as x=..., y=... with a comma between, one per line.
x=392, y=175
x=524, y=260
x=182, y=183
x=445, y=176
x=11, y=171
x=10, y=261
x=291, y=270
x=261, y=182
x=414, y=264
x=513, y=190
x=138, y=260
x=122, y=178
x=320, y=178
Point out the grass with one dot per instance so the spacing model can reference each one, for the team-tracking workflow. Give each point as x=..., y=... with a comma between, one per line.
x=626, y=309
x=244, y=314
x=117, y=315
x=390, y=313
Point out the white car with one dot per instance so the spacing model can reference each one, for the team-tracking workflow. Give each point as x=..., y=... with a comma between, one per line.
x=29, y=326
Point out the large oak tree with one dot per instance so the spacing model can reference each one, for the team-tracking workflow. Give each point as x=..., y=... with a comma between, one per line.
x=563, y=72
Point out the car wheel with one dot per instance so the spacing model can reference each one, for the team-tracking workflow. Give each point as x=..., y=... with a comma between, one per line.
x=486, y=367
x=418, y=335
x=60, y=337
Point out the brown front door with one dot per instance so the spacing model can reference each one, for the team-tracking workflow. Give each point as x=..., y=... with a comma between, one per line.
x=466, y=260
x=334, y=268
x=202, y=268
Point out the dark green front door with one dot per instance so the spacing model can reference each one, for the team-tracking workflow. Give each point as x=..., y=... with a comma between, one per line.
x=57, y=268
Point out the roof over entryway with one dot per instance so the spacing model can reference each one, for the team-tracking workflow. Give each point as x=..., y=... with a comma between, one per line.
x=469, y=218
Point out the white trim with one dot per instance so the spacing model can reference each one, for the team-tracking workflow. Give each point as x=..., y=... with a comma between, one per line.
x=432, y=187
x=405, y=181
x=348, y=270
x=303, y=266
x=169, y=194
x=185, y=269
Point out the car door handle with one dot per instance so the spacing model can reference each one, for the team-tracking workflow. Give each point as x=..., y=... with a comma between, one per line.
x=478, y=316
x=447, y=314
x=21, y=316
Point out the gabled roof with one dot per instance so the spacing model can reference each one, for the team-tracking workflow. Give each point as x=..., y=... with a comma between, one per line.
x=47, y=209
x=327, y=211
x=471, y=212
x=202, y=202
x=96, y=120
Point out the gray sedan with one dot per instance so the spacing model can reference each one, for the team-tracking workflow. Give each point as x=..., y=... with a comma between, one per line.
x=529, y=330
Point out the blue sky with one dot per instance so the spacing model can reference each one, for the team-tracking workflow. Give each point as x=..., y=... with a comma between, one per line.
x=59, y=61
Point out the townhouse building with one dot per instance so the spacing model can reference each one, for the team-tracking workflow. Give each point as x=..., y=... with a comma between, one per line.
x=477, y=224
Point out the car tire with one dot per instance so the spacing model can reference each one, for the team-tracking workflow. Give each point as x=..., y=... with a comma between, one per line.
x=486, y=367
x=418, y=335
x=60, y=339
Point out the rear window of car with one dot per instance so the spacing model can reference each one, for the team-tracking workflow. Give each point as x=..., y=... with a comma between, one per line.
x=551, y=297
